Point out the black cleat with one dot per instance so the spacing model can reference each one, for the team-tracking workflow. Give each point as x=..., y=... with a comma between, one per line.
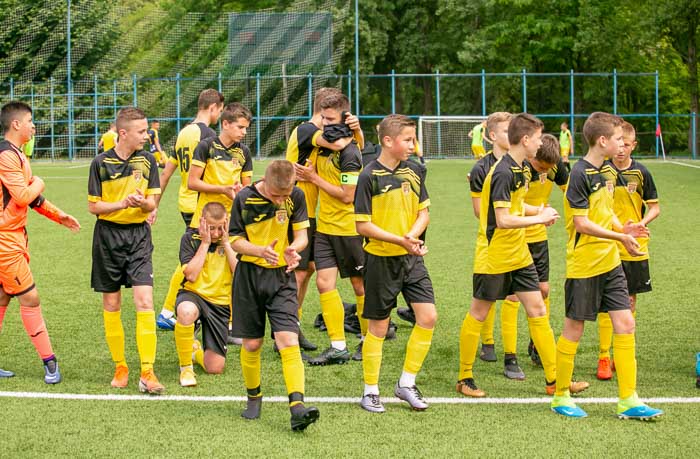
x=488, y=353
x=305, y=344
x=406, y=314
x=303, y=417
x=253, y=408
x=357, y=355
x=331, y=356
x=534, y=355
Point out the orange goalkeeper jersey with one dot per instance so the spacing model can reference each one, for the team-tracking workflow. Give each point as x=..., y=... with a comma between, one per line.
x=15, y=193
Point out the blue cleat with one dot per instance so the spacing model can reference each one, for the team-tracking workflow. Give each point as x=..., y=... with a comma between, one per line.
x=565, y=406
x=52, y=375
x=6, y=374
x=633, y=408
x=697, y=365
x=165, y=323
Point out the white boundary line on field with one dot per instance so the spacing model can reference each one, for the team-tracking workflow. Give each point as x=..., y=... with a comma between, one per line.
x=342, y=400
x=684, y=164
x=78, y=166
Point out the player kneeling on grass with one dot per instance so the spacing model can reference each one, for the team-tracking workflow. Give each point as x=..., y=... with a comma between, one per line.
x=391, y=211
x=208, y=262
x=265, y=284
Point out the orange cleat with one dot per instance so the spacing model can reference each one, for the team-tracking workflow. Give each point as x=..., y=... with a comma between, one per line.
x=604, y=369
x=574, y=388
x=468, y=388
x=150, y=384
x=121, y=377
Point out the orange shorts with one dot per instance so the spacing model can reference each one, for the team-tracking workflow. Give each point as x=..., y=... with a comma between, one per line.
x=15, y=276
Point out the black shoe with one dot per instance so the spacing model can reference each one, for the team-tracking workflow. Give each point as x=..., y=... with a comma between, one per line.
x=318, y=321
x=303, y=417
x=357, y=355
x=534, y=355
x=391, y=331
x=305, y=344
x=253, y=407
x=331, y=356
x=488, y=353
x=351, y=324
x=406, y=314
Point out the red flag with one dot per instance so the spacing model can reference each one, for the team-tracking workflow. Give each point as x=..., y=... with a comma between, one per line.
x=658, y=130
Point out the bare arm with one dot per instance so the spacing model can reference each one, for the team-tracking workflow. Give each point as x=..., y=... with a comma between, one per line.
x=584, y=226
x=195, y=265
x=506, y=220
x=654, y=210
x=343, y=193
x=165, y=179
x=476, y=206
x=195, y=183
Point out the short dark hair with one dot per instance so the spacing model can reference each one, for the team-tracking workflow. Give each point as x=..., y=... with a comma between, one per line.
x=209, y=97
x=549, y=150
x=321, y=94
x=235, y=110
x=521, y=125
x=280, y=174
x=392, y=125
x=128, y=114
x=600, y=124
x=12, y=111
x=335, y=100
x=214, y=210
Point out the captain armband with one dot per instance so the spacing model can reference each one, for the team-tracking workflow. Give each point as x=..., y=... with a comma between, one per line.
x=348, y=179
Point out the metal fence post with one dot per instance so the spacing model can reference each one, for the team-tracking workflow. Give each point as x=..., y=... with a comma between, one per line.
x=483, y=92
x=615, y=91
x=310, y=93
x=257, y=116
x=177, y=100
x=571, y=111
x=694, y=121
x=12, y=88
x=135, y=95
x=97, y=118
x=53, y=144
x=524, y=90
x=114, y=100
x=218, y=84
x=437, y=111
x=393, y=91
x=656, y=106
x=350, y=88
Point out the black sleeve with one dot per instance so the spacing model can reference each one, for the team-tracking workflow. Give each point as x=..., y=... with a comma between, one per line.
x=363, y=194
x=299, y=214
x=201, y=151
x=562, y=174
x=305, y=135
x=153, y=175
x=248, y=166
x=650, y=193
x=476, y=177
x=236, y=225
x=350, y=159
x=188, y=247
x=94, y=182
x=501, y=183
x=577, y=192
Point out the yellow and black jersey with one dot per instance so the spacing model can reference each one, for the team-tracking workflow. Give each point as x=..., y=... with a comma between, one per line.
x=303, y=149
x=187, y=140
x=152, y=139
x=260, y=221
x=391, y=199
x=479, y=172
x=224, y=166
x=214, y=280
x=112, y=179
x=500, y=250
x=634, y=188
x=538, y=194
x=590, y=193
x=338, y=168
x=109, y=140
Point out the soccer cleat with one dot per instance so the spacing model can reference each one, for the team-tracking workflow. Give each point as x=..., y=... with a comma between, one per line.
x=565, y=406
x=331, y=356
x=52, y=374
x=305, y=344
x=512, y=370
x=633, y=408
x=303, y=416
x=604, y=372
x=121, y=377
x=164, y=323
x=534, y=355
x=697, y=382
x=371, y=403
x=233, y=340
x=412, y=396
x=468, y=387
x=406, y=314
x=357, y=355
x=574, y=388
x=488, y=353
x=187, y=377
x=149, y=384
x=6, y=374
x=253, y=408
x=697, y=365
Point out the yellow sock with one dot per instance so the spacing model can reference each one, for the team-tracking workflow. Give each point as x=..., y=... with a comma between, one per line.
x=299, y=313
x=293, y=370
x=543, y=337
x=468, y=344
x=509, y=325
x=250, y=366
x=566, y=353
x=146, y=338
x=605, y=334
x=364, y=323
x=114, y=334
x=372, y=359
x=487, y=328
x=546, y=305
x=417, y=349
x=173, y=288
x=333, y=314
x=198, y=356
x=184, y=339
x=626, y=364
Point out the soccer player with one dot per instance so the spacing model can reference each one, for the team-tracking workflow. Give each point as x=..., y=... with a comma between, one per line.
x=477, y=136
x=208, y=262
x=209, y=107
x=154, y=144
x=305, y=142
x=109, y=138
x=21, y=190
x=391, y=211
x=338, y=247
x=636, y=201
x=121, y=189
x=595, y=280
x=502, y=262
x=265, y=285
x=566, y=143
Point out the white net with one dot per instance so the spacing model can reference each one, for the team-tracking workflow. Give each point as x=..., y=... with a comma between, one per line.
x=447, y=136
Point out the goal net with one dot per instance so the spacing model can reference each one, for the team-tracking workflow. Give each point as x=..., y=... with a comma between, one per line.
x=447, y=136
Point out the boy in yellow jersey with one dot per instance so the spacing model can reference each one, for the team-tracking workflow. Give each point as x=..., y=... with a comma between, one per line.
x=109, y=138
x=595, y=280
x=636, y=201
x=338, y=247
x=502, y=263
x=566, y=143
x=477, y=136
x=208, y=262
x=391, y=211
x=121, y=189
x=154, y=144
x=305, y=142
x=209, y=107
x=265, y=285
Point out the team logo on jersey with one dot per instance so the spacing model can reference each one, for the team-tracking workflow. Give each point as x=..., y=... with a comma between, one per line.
x=610, y=185
x=137, y=174
x=235, y=162
x=632, y=187
x=406, y=187
x=220, y=249
x=543, y=178
x=281, y=216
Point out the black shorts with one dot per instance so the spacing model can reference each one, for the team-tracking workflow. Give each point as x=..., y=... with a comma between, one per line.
x=342, y=252
x=187, y=217
x=493, y=287
x=214, y=320
x=585, y=298
x=540, y=256
x=259, y=291
x=307, y=255
x=386, y=277
x=121, y=256
x=637, y=274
